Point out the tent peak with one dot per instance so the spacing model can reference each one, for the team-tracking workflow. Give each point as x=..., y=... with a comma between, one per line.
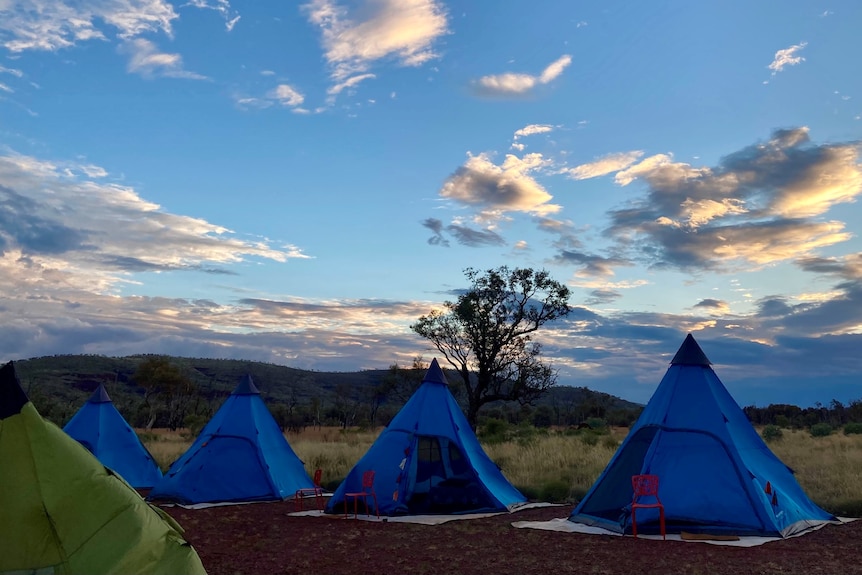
x=435, y=374
x=689, y=353
x=100, y=395
x=12, y=397
x=246, y=386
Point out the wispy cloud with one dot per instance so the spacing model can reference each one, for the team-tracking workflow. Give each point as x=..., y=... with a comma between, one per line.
x=14, y=71
x=463, y=234
x=56, y=24
x=529, y=130
x=223, y=7
x=604, y=165
x=353, y=40
x=146, y=60
x=519, y=84
x=57, y=219
x=787, y=57
x=283, y=95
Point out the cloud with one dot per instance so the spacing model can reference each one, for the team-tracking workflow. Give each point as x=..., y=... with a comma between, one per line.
x=515, y=84
x=786, y=57
x=88, y=236
x=847, y=267
x=55, y=24
x=464, y=235
x=351, y=82
x=146, y=60
x=760, y=205
x=468, y=236
x=14, y=71
x=497, y=189
x=529, y=130
x=604, y=165
x=283, y=95
x=603, y=296
x=533, y=129
x=402, y=30
x=222, y=7
x=591, y=265
x=286, y=95
x=713, y=306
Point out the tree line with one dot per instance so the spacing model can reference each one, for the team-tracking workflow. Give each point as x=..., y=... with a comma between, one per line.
x=835, y=414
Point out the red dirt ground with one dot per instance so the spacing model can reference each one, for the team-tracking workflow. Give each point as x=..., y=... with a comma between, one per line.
x=261, y=539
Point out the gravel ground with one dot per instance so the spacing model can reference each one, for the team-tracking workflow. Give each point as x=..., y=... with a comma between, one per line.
x=262, y=538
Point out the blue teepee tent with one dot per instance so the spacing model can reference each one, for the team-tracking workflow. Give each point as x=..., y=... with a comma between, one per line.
x=99, y=427
x=241, y=455
x=428, y=460
x=716, y=474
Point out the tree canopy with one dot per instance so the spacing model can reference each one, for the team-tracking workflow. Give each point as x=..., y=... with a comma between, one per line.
x=486, y=335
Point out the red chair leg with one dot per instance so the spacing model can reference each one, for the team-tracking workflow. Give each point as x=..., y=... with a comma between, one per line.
x=661, y=520
x=634, y=524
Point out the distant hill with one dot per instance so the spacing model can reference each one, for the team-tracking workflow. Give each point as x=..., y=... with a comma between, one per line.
x=63, y=382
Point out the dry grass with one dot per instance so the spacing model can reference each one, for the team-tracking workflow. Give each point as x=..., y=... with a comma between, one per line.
x=561, y=467
x=828, y=468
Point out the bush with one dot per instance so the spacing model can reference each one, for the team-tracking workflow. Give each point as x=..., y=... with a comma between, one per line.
x=821, y=430
x=853, y=429
x=194, y=423
x=557, y=491
x=589, y=438
x=494, y=431
x=597, y=423
x=772, y=433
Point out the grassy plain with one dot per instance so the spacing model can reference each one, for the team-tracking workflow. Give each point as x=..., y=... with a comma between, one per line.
x=561, y=466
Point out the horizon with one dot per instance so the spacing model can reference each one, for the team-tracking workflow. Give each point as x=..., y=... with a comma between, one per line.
x=298, y=183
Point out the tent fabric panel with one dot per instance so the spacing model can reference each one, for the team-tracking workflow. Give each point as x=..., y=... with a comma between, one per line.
x=490, y=475
x=284, y=467
x=224, y=469
x=104, y=431
x=384, y=457
x=612, y=491
x=80, y=516
x=702, y=484
x=211, y=470
x=30, y=539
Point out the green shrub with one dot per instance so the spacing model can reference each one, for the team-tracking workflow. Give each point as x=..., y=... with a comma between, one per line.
x=772, y=433
x=597, y=423
x=821, y=430
x=195, y=423
x=610, y=442
x=852, y=428
x=589, y=438
x=555, y=491
x=494, y=431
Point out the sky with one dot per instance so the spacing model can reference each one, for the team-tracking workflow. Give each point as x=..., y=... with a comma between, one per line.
x=298, y=182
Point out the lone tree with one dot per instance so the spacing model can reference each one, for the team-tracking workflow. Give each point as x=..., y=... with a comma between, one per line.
x=489, y=330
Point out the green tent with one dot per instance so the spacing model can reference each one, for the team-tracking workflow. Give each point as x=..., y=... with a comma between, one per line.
x=61, y=511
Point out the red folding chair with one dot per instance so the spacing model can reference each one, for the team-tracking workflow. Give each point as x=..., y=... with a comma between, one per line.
x=316, y=491
x=367, y=491
x=646, y=486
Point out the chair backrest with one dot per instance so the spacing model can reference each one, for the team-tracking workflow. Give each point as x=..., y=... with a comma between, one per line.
x=318, y=475
x=645, y=485
x=368, y=479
